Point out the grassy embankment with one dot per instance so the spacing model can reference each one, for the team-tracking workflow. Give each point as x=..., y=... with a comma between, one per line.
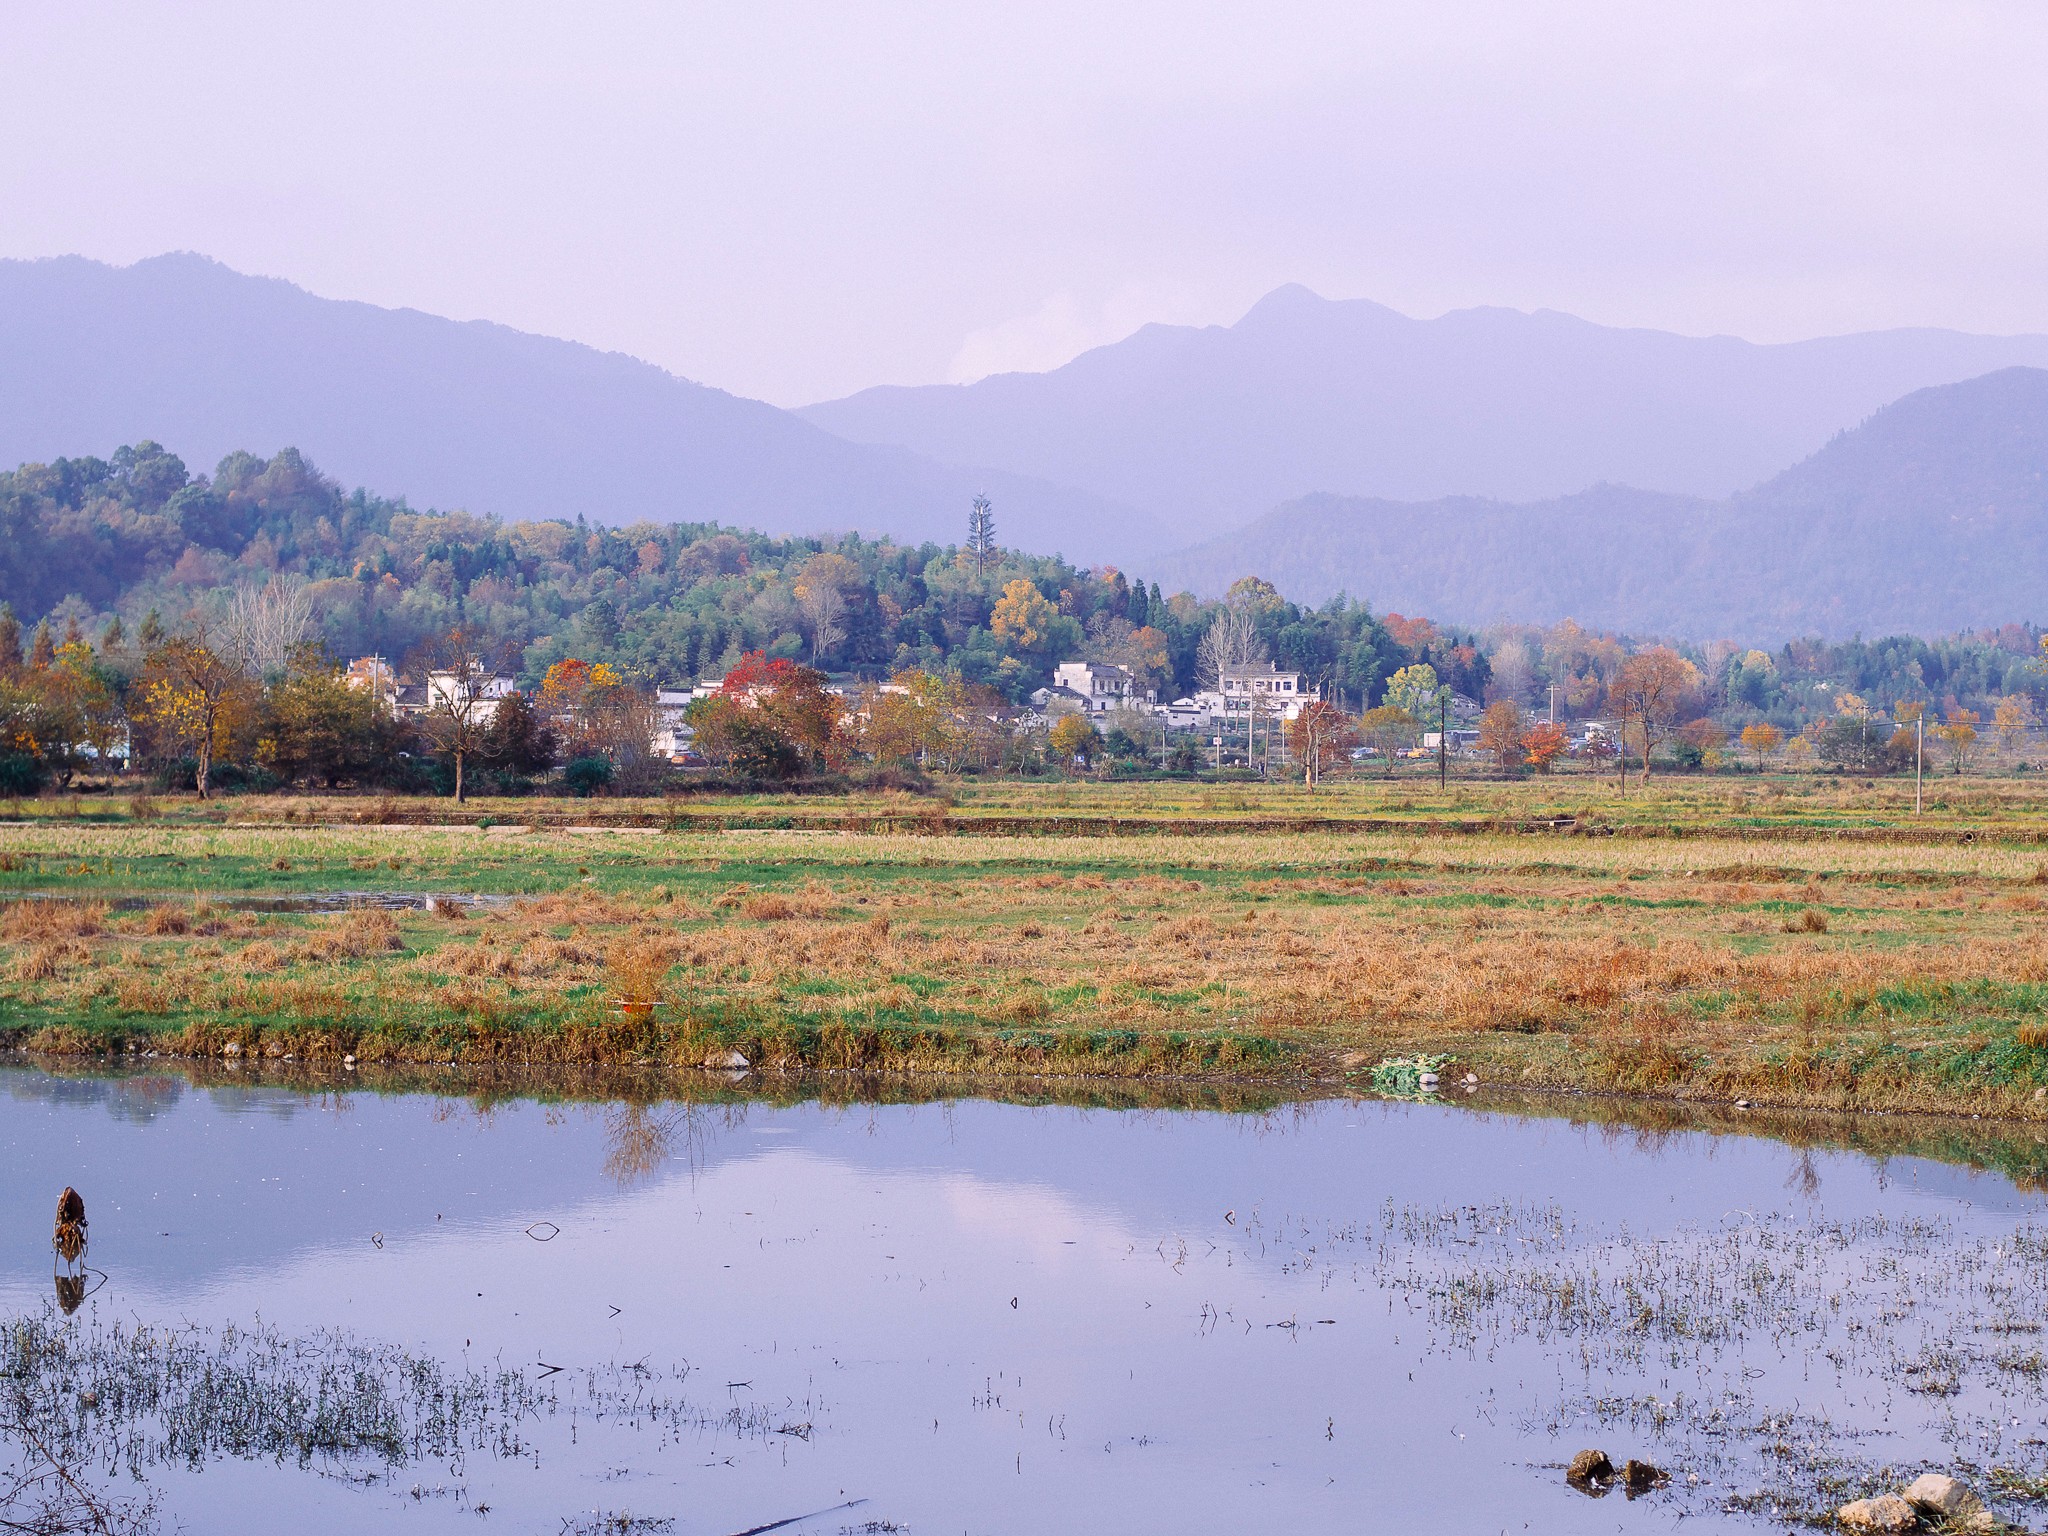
x=1791, y=942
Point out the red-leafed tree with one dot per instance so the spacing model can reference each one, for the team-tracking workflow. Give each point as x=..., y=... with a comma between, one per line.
x=774, y=719
x=1543, y=744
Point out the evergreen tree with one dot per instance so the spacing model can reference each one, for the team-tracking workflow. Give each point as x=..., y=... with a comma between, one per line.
x=981, y=534
x=10, y=639
x=600, y=621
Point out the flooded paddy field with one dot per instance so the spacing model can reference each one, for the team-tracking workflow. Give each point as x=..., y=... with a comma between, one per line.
x=316, y=1306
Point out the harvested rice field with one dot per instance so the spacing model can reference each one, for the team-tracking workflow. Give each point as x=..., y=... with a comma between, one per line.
x=1799, y=944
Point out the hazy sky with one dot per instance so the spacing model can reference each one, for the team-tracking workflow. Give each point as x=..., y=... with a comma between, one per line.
x=794, y=201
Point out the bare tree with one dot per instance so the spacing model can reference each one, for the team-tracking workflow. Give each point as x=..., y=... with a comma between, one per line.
x=265, y=623
x=1653, y=686
x=820, y=592
x=461, y=703
x=823, y=608
x=1231, y=643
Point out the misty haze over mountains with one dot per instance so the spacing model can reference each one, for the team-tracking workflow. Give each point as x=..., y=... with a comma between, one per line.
x=1486, y=464
x=468, y=415
x=1930, y=517
x=1215, y=425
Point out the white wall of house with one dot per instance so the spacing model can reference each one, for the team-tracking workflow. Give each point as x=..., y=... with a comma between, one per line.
x=1102, y=687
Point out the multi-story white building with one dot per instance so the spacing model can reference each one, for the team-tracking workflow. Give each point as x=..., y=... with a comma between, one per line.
x=1100, y=686
x=373, y=675
x=1266, y=692
x=443, y=689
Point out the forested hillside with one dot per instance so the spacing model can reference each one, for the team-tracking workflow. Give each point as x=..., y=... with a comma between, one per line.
x=83, y=541
x=118, y=553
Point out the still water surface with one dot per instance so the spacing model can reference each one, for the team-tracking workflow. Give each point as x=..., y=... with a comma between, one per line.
x=983, y=1317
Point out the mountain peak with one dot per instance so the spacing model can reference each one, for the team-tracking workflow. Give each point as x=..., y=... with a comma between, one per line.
x=184, y=350
x=1288, y=299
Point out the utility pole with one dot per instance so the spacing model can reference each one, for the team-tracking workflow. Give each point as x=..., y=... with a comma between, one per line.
x=1443, y=742
x=1553, y=703
x=1919, y=752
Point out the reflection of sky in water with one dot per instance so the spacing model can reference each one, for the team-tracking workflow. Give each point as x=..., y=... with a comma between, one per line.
x=857, y=1267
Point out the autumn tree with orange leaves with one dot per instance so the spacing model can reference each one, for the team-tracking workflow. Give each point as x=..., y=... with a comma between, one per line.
x=1761, y=738
x=1500, y=733
x=1651, y=691
x=1543, y=744
x=1320, y=736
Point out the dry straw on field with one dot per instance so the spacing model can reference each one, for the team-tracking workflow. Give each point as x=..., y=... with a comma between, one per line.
x=1640, y=961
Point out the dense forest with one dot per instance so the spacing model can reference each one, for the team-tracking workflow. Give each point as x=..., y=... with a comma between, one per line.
x=139, y=539
x=86, y=540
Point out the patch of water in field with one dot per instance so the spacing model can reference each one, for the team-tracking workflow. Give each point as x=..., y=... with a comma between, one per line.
x=984, y=1317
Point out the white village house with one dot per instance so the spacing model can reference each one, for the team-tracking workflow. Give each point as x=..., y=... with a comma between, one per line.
x=673, y=734
x=1090, y=687
x=1266, y=691
x=373, y=675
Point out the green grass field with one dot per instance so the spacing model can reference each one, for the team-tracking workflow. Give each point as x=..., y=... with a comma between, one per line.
x=1789, y=941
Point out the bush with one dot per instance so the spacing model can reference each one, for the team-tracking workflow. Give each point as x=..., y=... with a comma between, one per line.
x=1119, y=743
x=20, y=774
x=587, y=775
x=892, y=776
x=225, y=778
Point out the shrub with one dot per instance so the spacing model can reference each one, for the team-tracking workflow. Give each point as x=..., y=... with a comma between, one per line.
x=20, y=774
x=586, y=776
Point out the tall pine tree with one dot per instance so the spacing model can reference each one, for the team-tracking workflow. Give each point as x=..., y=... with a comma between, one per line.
x=981, y=534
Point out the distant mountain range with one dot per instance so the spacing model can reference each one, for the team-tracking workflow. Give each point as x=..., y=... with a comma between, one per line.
x=1440, y=466
x=1213, y=426
x=1931, y=516
x=184, y=351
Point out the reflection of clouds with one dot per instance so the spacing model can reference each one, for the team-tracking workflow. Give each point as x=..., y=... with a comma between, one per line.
x=137, y=1100
x=1023, y=1216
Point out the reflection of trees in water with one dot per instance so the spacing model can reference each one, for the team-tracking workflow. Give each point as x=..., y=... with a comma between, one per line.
x=257, y=1099
x=1804, y=1177
x=639, y=1139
